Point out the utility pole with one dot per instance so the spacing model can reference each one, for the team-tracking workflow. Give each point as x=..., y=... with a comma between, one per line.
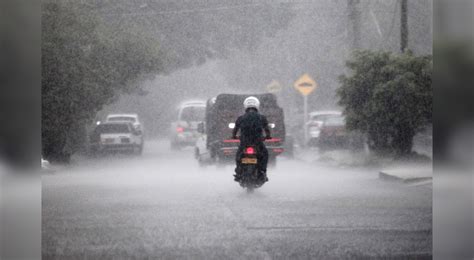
x=354, y=22
x=404, y=26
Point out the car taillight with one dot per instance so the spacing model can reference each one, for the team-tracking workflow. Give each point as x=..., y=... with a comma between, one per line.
x=315, y=124
x=179, y=129
x=249, y=150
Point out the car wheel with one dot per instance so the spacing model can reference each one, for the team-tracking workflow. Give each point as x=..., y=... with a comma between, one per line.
x=196, y=154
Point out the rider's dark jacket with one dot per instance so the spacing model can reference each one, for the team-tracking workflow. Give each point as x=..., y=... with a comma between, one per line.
x=251, y=125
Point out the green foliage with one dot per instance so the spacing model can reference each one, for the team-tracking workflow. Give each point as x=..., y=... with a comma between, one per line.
x=389, y=97
x=84, y=67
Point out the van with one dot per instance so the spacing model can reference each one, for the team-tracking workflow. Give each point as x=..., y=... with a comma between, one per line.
x=183, y=131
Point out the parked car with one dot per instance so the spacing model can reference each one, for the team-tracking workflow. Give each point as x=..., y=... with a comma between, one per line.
x=132, y=118
x=216, y=145
x=184, y=130
x=315, y=123
x=335, y=135
x=116, y=136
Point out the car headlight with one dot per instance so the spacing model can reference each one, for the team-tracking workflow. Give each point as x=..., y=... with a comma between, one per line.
x=231, y=125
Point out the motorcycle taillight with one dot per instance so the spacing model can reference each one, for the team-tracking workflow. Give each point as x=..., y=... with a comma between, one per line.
x=249, y=150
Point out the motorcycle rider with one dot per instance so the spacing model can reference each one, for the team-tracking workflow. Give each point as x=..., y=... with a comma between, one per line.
x=251, y=126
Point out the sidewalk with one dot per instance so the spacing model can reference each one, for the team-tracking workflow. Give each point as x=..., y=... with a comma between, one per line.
x=410, y=173
x=337, y=158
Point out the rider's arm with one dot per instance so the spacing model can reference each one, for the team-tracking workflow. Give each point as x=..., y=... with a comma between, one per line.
x=266, y=128
x=236, y=128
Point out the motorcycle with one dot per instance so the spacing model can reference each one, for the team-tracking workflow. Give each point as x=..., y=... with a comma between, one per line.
x=249, y=174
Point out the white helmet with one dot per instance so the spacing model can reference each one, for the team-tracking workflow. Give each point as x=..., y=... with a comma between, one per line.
x=251, y=102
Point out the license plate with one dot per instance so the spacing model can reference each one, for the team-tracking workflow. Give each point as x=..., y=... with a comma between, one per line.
x=109, y=140
x=249, y=160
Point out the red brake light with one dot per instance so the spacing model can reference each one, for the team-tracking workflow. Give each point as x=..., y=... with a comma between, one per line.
x=179, y=129
x=249, y=150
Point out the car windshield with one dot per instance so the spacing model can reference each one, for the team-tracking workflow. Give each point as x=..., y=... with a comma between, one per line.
x=335, y=121
x=192, y=114
x=113, y=128
x=122, y=118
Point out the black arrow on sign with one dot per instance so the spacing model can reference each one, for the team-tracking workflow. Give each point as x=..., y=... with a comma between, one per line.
x=305, y=84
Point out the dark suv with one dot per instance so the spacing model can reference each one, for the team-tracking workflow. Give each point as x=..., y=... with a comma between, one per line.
x=221, y=114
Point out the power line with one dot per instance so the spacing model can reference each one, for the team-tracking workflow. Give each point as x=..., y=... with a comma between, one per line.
x=186, y=11
x=278, y=5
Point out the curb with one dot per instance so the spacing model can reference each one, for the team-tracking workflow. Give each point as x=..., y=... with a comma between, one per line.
x=408, y=180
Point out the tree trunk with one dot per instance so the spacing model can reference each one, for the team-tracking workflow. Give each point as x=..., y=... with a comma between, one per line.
x=378, y=142
x=403, y=140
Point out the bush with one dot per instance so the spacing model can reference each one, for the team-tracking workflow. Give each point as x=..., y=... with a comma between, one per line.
x=389, y=97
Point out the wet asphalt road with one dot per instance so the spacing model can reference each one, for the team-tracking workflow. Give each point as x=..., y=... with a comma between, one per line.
x=161, y=205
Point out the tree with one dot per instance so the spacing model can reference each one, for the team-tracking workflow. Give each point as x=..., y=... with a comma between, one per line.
x=192, y=32
x=389, y=97
x=84, y=67
x=94, y=50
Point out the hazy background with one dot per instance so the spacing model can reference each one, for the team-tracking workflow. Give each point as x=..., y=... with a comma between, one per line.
x=313, y=37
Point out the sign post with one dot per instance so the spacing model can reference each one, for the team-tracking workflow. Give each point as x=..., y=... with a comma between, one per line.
x=305, y=85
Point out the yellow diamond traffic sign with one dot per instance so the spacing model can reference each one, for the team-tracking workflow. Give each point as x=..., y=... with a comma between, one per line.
x=305, y=84
x=274, y=87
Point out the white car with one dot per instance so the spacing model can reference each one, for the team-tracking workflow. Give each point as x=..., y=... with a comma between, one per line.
x=132, y=118
x=116, y=136
x=184, y=129
x=315, y=122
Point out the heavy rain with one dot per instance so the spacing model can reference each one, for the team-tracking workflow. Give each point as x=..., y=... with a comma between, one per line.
x=140, y=101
